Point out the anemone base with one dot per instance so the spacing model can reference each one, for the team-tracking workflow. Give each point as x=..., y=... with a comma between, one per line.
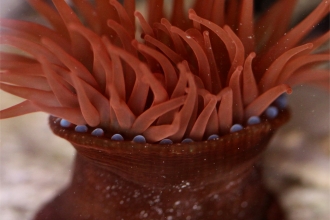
x=97, y=194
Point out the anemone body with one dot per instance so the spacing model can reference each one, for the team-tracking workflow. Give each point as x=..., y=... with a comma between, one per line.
x=205, y=180
x=188, y=75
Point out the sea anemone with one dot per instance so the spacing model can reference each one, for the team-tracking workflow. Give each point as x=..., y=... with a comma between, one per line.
x=181, y=79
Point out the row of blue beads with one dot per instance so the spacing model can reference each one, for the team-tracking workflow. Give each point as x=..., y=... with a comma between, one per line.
x=271, y=112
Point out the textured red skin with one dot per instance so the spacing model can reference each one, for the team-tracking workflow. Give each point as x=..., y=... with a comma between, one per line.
x=203, y=180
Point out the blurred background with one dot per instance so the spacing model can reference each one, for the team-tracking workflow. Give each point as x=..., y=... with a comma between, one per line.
x=35, y=164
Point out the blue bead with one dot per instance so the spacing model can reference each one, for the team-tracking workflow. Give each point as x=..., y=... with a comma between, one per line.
x=271, y=112
x=166, y=141
x=117, y=137
x=64, y=123
x=98, y=132
x=253, y=120
x=282, y=101
x=81, y=128
x=213, y=137
x=235, y=128
x=187, y=140
x=139, y=139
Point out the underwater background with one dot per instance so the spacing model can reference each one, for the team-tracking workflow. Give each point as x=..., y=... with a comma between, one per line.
x=297, y=164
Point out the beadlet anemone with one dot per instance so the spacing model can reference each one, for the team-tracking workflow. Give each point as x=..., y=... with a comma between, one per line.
x=186, y=77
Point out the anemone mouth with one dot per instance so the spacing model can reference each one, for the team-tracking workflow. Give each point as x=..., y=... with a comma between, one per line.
x=196, y=79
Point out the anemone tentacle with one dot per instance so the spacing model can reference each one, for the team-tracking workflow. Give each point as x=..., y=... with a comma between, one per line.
x=194, y=75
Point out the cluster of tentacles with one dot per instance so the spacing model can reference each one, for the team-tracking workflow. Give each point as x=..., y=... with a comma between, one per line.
x=187, y=77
